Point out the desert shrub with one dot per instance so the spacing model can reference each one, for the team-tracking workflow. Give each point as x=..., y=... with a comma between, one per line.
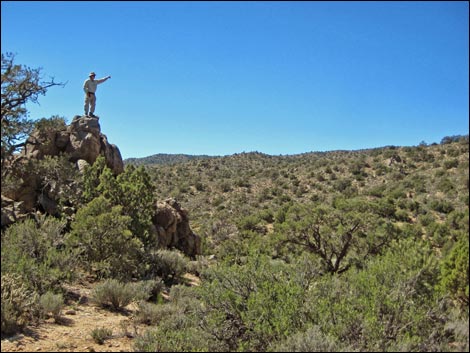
x=312, y=340
x=101, y=334
x=377, y=191
x=147, y=342
x=451, y=163
x=454, y=272
x=383, y=306
x=442, y=206
x=170, y=265
x=225, y=186
x=248, y=306
x=19, y=304
x=272, y=312
x=341, y=236
x=199, y=265
x=166, y=339
x=113, y=293
x=148, y=289
x=402, y=215
x=177, y=328
x=459, y=220
x=251, y=223
x=148, y=313
x=37, y=252
x=439, y=233
x=342, y=184
x=446, y=185
x=242, y=182
x=411, y=205
x=101, y=235
x=425, y=219
x=51, y=303
x=267, y=215
x=396, y=191
x=132, y=190
x=200, y=186
x=384, y=207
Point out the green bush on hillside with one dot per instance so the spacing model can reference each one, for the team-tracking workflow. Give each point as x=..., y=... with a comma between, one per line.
x=101, y=236
x=455, y=272
x=132, y=190
x=37, y=252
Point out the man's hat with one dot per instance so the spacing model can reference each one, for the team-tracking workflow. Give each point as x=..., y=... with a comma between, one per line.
x=92, y=74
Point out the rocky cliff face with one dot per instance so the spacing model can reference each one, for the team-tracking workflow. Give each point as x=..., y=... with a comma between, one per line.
x=82, y=142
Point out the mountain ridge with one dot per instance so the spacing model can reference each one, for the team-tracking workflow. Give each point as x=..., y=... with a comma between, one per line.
x=164, y=158
x=174, y=158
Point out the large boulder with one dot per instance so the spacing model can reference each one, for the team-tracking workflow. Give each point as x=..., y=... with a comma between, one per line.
x=173, y=231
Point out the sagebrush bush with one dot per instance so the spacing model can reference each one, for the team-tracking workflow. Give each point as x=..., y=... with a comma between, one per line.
x=36, y=251
x=51, y=303
x=101, y=334
x=148, y=313
x=170, y=265
x=312, y=340
x=113, y=293
x=197, y=266
x=176, y=330
x=166, y=339
x=148, y=289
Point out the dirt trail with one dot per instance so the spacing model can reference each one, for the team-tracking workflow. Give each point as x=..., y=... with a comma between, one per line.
x=73, y=331
x=78, y=319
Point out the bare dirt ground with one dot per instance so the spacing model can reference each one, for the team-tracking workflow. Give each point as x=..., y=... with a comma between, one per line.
x=73, y=331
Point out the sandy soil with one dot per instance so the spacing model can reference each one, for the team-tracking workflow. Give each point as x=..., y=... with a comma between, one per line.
x=79, y=318
x=73, y=331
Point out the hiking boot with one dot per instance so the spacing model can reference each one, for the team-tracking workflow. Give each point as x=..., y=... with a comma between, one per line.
x=92, y=115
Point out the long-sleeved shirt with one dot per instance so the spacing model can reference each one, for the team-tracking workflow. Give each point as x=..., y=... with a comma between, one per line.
x=90, y=86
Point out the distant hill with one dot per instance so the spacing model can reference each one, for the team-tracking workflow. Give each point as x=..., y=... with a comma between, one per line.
x=163, y=158
x=229, y=188
x=170, y=159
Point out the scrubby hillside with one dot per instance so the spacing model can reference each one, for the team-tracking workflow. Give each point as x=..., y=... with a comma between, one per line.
x=344, y=250
x=334, y=251
x=421, y=182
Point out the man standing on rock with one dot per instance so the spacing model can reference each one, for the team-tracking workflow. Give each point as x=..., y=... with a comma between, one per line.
x=90, y=87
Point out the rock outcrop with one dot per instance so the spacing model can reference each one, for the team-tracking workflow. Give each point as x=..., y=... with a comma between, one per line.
x=82, y=143
x=171, y=224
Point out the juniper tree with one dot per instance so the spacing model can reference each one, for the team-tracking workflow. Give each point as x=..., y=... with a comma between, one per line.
x=20, y=85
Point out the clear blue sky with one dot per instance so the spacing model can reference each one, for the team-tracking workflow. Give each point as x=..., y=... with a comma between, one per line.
x=220, y=78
